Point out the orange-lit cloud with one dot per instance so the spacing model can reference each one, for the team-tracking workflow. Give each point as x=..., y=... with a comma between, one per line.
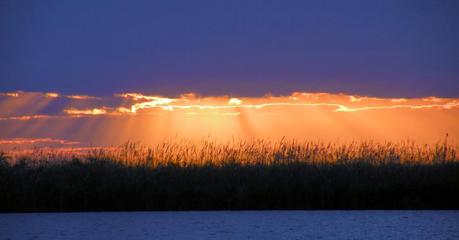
x=10, y=94
x=234, y=101
x=49, y=95
x=81, y=97
x=337, y=101
x=148, y=118
x=94, y=111
x=19, y=145
x=27, y=117
x=17, y=141
x=448, y=105
x=151, y=101
x=52, y=95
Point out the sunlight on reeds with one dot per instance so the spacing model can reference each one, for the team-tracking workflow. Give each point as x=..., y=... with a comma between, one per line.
x=208, y=151
x=181, y=174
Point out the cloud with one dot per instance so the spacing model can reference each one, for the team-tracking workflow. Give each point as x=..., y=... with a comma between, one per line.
x=10, y=94
x=354, y=99
x=26, y=117
x=94, y=111
x=449, y=105
x=398, y=100
x=234, y=101
x=148, y=101
x=81, y=97
x=129, y=116
x=137, y=103
x=52, y=95
x=19, y=141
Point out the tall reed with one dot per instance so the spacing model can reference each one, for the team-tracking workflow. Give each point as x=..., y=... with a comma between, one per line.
x=207, y=174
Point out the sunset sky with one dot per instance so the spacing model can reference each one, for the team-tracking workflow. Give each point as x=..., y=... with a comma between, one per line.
x=86, y=72
x=34, y=118
x=388, y=48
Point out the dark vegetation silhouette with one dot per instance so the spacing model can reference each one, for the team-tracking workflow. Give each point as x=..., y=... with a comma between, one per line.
x=186, y=175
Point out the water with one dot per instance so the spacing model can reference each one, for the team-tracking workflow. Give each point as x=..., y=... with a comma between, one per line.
x=233, y=225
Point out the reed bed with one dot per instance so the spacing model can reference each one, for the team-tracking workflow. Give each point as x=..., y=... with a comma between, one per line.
x=209, y=152
x=207, y=174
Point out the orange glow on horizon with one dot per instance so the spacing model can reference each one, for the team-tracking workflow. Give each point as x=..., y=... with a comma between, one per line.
x=151, y=118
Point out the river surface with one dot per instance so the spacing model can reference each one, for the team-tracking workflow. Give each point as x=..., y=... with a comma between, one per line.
x=233, y=225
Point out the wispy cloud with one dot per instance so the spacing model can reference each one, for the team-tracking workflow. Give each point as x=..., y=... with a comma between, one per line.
x=26, y=117
x=137, y=103
x=19, y=141
x=11, y=94
x=128, y=116
x=94, y=111
x=81, y=97
x=52, y=95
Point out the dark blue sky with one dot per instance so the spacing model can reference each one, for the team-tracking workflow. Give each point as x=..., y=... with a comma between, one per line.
x=381, y=48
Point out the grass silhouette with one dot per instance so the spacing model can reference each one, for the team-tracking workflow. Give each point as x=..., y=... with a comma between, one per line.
x=208, y=175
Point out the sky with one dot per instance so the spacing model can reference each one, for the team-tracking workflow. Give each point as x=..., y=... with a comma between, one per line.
x=392, y=48
x=31, y=118
x=101, y=73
